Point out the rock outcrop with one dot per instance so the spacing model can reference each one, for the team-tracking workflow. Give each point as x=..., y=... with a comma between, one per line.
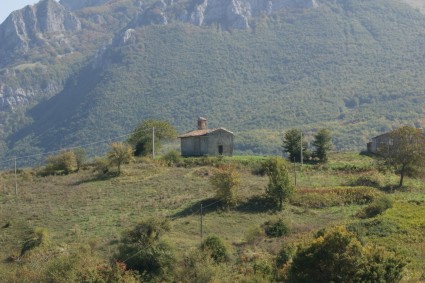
x=76, y=5
x=227, y=13
x=44, y=24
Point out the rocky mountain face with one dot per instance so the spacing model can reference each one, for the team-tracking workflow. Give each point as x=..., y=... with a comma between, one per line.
x=46, y=24
x=76, y=5
x=229, y=14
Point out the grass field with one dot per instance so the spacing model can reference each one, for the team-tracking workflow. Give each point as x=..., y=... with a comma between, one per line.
x=82, y=208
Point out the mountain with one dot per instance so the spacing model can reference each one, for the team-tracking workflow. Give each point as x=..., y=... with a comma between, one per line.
x=254, y=67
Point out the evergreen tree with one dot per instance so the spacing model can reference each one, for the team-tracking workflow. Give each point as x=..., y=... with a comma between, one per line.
x=323, y=144
x=292, y=144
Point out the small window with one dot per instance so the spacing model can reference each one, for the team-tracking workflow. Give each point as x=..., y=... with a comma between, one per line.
x=220, y=149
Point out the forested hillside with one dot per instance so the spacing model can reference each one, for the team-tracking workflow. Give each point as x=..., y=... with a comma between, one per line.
x=354, y=67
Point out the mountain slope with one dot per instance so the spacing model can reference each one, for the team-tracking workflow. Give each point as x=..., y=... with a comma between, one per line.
x=356, y=67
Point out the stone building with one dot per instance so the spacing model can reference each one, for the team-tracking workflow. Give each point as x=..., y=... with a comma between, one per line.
x=379, y=141
x=204, y=141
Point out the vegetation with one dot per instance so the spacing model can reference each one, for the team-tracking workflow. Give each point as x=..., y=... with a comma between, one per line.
x=141, y=138
x=292, y=145
x=143, y=250
x=226, y=179
x=337, y=255
x=119, y=154
x=279, y=188
x=94, y=228
x=365, y=73
x=64, y=162
x=404, y=153
x=323, y=144
x=216, y=249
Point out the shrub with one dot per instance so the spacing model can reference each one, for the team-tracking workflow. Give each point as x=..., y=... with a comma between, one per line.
x=377, y=207
x=226, y=180
x=197, y=268
x=143, y=250
x=101, y=165
x=63, y=162
x=285, y=255
x=216, y=249
x=337, y=255
x=171, y=158
x=276, y=228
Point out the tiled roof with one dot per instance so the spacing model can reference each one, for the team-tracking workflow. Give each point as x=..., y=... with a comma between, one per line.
x=198, y=133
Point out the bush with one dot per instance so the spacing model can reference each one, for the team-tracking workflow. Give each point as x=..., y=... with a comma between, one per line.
x=64, y=162
x=276, y=228
x=172, y=157
x=101, y=165
x=377, y=207
x=337, y=255
x=226, y=180
x=142, y=250
x=285, y=255
x=216, y=249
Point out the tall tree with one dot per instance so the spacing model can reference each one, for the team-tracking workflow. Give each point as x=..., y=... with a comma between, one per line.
x=119, y=154
x=403, y=153
x=323, y=144
x=141, y=138
x=279, y=188
x=292, y=144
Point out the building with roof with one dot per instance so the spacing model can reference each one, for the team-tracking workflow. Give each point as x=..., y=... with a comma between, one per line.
x=204, y=141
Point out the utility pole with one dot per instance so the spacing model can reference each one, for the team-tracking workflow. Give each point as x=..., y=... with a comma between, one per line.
x=153, y=143
x=295, y=174
x=302, y=161
x=202, y=228
x=16, y=180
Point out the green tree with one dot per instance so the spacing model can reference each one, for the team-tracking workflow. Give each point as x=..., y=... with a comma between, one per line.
x=119, y=154
x=292, y=145
x=279, y=188
x=64, y=161
x=337, y=255
x=226, y=179
x=403, y=153
x=141, y=138
x=323, y=144
x=142, y=249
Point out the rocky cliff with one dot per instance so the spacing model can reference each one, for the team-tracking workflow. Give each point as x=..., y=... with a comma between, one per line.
x=226, y=13
x=45, y=24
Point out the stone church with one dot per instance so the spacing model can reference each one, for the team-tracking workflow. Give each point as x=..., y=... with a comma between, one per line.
x=204, y=141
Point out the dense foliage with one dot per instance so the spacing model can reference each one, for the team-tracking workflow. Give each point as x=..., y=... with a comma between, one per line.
x=337, y=255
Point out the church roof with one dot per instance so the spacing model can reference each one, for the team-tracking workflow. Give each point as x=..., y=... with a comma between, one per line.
x=199, y=133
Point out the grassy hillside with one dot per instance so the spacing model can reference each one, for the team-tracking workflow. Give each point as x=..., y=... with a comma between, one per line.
x=81, y=209
x=355, y=67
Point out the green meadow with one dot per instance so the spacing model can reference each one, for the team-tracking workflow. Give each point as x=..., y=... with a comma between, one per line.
x=85, y=210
